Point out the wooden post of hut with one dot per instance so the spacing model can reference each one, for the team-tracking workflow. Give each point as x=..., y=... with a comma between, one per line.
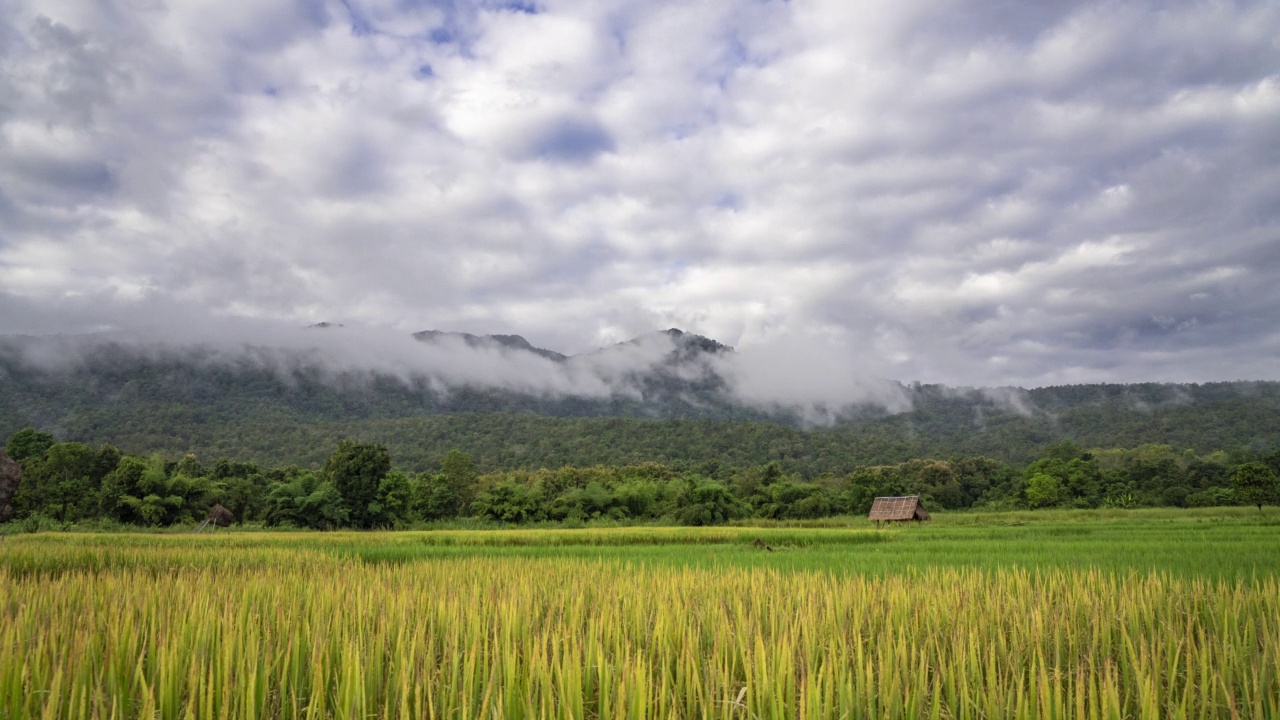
x=898, y=509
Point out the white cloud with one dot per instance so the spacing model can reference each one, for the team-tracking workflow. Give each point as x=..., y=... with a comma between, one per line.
x=980, y=193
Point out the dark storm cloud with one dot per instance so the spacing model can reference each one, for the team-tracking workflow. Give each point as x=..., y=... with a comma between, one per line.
x=967, y=192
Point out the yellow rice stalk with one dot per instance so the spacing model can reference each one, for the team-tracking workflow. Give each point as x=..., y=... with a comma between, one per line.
x=181, y=632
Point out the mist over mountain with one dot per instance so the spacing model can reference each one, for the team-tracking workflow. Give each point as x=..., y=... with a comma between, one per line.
x=658, y=375
x=513, y=342
x=285, y=394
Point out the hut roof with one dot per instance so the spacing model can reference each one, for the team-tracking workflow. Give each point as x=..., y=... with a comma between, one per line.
x=219, y=515
x=898, y=508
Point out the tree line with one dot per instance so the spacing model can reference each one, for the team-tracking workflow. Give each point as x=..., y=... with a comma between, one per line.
x=358, y=486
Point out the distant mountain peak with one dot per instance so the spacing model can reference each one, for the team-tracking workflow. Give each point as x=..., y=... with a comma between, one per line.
x=688, y=340
x=513, y=342
x=687, y=345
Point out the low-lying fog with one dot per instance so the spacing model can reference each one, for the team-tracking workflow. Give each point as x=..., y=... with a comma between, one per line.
x=796, y=374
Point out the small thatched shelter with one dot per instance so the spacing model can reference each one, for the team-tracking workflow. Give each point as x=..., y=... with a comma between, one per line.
x=220, y=516
x=897, y=509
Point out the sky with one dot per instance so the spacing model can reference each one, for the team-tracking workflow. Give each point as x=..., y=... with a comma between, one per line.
x=971, y=193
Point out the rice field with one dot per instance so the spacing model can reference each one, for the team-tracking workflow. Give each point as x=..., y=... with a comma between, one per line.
x=646, y=622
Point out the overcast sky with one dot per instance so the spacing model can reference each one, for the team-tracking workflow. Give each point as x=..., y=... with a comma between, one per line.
x=979, y=193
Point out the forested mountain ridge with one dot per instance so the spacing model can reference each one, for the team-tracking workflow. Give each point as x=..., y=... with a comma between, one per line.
x=64, y=382
x=514, y=342
x=674, y=408
x=685, y=345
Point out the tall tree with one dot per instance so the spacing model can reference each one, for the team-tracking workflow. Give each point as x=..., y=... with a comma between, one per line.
x=67, y=470
x=105, y=461
x=356, y=469
x=1256, y=484
x=10, y=477
x=303, y=499
x=460, y=473
x=120, y=483
x=434, y=498
x=1043, y=490
x=394, y=503
x=710, y=503
x=28, y=442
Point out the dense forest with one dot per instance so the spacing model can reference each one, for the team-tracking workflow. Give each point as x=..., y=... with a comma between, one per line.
x=938, y=427
x=59, y=484
x=179, y=403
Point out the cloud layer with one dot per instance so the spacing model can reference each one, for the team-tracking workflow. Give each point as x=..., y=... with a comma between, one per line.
x=663, y=370
x=961, y=192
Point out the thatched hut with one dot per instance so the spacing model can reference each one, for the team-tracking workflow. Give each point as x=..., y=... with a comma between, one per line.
x=220, y=516
x=897, y=509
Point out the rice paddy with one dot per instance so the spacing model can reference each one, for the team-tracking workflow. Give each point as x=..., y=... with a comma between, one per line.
x=1128, y=615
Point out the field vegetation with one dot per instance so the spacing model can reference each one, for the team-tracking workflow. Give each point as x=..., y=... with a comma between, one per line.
x=1066, y=614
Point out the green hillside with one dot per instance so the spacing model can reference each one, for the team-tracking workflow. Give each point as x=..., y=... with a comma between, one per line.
x=247, y=410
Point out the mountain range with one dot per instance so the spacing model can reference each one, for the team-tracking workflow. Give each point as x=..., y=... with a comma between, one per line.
x=672, y=396
x=685, y=346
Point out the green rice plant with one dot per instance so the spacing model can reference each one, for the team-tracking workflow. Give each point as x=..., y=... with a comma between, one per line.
x=179, y=629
